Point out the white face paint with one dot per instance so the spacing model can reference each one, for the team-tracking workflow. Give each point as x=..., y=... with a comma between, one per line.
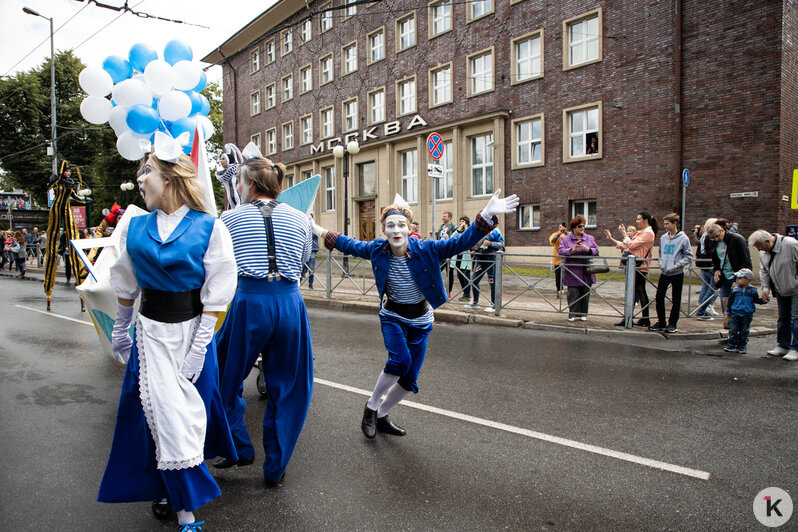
x=396, y=229
x=151, y=186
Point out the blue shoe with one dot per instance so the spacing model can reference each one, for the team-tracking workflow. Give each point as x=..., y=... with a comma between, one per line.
x=730, y=349
x=742, y=350
x=196, y=526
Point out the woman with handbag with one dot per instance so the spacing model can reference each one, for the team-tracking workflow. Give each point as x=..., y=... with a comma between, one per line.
x=19, y=249
x=577, y=247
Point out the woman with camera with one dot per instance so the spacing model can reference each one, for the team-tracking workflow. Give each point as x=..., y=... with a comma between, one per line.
x=577, y=246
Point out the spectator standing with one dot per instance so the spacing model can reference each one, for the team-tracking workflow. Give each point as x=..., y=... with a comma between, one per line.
x=310, y=266
x=731, y=255
x=485, y=264
x=675, y=252
x=556, y=260
x=33, y=246
x=778, y=269
x=42, y=247
x=447, y=228
x=741, y=311
x=415, y=232
x=578, y=246
x=703, y=261
x=462, y=262
x=6, y=250
x=19, y=248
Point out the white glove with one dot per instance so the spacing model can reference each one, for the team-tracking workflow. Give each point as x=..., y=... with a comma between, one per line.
x=317, y=229
x=195, y=358
x=497, y=206
x=121, y=342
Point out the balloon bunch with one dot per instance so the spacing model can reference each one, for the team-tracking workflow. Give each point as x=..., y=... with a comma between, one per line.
x=148, y=94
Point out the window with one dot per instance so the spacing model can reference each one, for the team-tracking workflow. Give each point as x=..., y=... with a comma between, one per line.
x=288, y=135
x=271, y=141
x=254, y=103
x=367, y=178
x=325, y=69
x=326, y=120
x=406, y=96
x=306, y=125
x=288, y=182
x=583, y=40
x=480, y=72
x=288, y=87
x=409, y=160
x=443, y=186
x=351, y=10
x=529, y=216
x=349, y=58
x=307, y=174
x=406, y=32
x=254, y=61
x=440, y=85
x=270, y=56
x=271, y=95
x=305, y=31
x=287, y=40
x=326, y=19
x=527, y=139
x=527, y=57
x=482, y=165
x=582, y=127
x=329, y=187
x=376, y=41
x=585, y=208
x=440, y=15
x=479, y=8
x=377, y=106
x=350, y=114
x=255, y=139
x=306, y=79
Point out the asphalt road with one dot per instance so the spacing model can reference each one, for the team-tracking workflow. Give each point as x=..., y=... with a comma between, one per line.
x=512, y=429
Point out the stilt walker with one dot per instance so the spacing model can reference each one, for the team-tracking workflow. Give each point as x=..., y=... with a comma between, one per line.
x=228, y=175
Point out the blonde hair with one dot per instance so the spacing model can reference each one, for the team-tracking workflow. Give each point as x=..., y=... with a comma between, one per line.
x=264, y=174
x=710, y=221
x=182, y=186
x=407, y=212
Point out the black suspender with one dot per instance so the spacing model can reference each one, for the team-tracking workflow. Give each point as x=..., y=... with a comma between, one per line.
x=266, y=210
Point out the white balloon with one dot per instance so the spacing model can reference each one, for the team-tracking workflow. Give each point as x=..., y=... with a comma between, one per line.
x=128, y=146
x=206, y=126
x=116, y=119
x=159, y=77
x=174, y=105
x=95, y=109
x=95, y=81
x=131, y=92
x=187, y=75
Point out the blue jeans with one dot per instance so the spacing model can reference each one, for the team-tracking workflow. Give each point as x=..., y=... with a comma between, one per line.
x=310, y=266
x=739, y=327
x=787, y=327
x=707, y=295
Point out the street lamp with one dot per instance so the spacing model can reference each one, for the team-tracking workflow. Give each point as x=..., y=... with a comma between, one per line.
x=352, y=148
x=30, y=11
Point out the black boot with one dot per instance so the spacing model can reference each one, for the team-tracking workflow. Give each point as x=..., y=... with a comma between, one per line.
x=369, y=424
x=387, y=426
x=226, y=463
x=162, y=508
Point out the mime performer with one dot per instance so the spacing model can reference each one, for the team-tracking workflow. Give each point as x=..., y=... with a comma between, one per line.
x=409, y=281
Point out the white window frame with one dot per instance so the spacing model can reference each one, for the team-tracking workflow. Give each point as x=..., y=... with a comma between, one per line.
x=348, y=58
x=379, y=32
x=409, y=176
x=306, y=32
x=304, y=175
x=519, y=145
x=485, y=167
x=406, y=34
x=322, y=70
x=445, y=183
x=306, y=129
x=474, y=5
x=254, y=103
x=349, y=121
x=270, y=52
x=271, y=141
x=287, y=89
x=271, y=95
x=534, y=209
x=372, y=107
x=434, y=85
x=488, y=76
x=568, y=134
x=288, y=181
x=533, y=60
x=328, y=173
x=288, y=135
x=327, y=122
x=306, y=79
x=434, y=17
x=255, y=139
x=584, y=41
x=350, y=10
x=254, y=61
x=325, y=18
x=582, y=207
x=404, y=98
x=286, y=42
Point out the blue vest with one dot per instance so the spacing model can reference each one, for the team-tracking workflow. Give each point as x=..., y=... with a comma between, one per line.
x=174, y=265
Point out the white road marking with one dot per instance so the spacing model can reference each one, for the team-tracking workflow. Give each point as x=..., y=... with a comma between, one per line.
x=53, y=315
x=647, y=462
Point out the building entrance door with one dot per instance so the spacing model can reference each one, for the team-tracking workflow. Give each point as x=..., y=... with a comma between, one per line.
x=366, y=219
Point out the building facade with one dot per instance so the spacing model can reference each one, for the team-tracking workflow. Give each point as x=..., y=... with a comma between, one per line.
x=579, y=108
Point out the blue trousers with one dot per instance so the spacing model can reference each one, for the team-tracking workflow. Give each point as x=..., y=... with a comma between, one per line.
x=407, y=347
x=787, y=326
x=267, y=318
x=739, y=327
x=707, y=295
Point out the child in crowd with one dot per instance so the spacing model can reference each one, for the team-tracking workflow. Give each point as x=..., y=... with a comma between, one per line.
x=740, y=310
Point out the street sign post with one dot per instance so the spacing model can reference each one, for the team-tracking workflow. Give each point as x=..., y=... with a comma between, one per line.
x=434, y=171
x=685, y=182
x=435, y=146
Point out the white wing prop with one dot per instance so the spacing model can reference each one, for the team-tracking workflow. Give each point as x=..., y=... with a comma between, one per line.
x=96, y=289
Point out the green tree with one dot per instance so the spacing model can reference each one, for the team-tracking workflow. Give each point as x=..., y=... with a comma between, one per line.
x=215, y=145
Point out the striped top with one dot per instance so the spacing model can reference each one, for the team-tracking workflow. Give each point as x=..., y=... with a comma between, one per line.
x=291, y=234
x=401, y=288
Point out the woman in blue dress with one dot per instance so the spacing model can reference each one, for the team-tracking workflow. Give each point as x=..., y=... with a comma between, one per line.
x=179, y=259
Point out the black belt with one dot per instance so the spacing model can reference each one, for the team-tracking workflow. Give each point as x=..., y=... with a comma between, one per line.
x=170, y=307
x=407, y=310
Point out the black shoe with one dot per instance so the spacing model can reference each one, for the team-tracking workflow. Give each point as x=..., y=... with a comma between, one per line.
x=162, y=508
x=658, y=327
x=621, y=323
x=387, y=426
x=670, y=329
x=369, y=424
x=273, y=483
x=643, y=322
x=225, y=463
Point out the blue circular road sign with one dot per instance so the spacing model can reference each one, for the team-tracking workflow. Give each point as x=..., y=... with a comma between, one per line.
x=686, y=177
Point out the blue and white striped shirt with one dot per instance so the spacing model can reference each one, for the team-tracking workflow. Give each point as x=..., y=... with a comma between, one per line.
x=291, y=234
x=401, y=288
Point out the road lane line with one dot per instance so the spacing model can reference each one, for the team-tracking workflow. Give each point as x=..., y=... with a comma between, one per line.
x=51, y=314
x=647, y=462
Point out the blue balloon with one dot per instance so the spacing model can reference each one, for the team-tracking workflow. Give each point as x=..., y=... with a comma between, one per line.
x=140, y=56
x=155, y=102
x=206, y=106
x=196, y=102
x=175, y=51
x=183, y=125
x=142, y=119
x=118, y=67
x=202, y=82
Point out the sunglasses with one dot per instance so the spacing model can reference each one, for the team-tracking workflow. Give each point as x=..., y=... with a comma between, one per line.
x=581, y=225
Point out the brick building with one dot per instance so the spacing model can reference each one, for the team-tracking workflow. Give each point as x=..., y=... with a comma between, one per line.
x=579, y=108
